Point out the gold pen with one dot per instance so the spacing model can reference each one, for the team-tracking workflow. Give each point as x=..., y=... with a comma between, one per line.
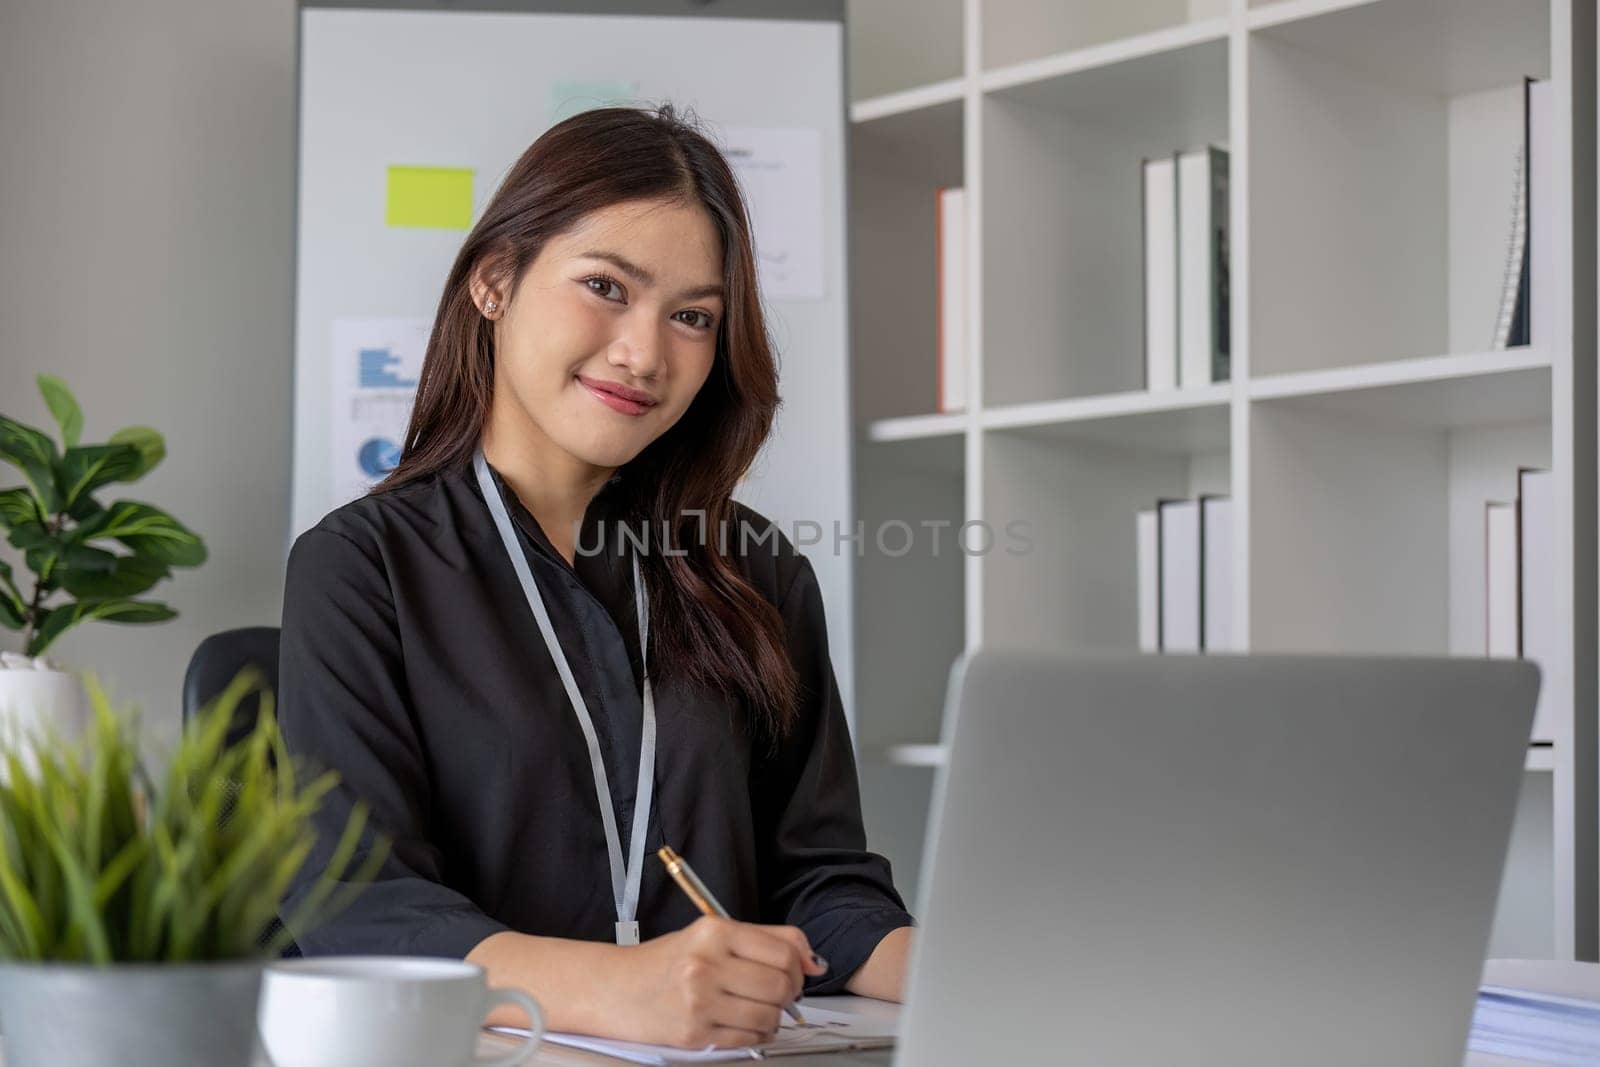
x=697, y=892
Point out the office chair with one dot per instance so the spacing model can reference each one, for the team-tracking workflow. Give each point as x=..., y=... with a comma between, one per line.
x=214, y=664
x=218, y=660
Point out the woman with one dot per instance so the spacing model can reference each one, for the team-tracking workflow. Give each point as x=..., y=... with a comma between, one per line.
x=597, y=382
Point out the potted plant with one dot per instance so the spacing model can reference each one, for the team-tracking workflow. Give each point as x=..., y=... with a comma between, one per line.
x=136, y=916
x=87, y=560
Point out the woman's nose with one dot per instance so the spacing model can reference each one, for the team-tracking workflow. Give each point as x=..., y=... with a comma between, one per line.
x=641, y=349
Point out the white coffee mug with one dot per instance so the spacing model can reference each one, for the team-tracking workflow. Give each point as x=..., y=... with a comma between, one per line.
x=384, y=1011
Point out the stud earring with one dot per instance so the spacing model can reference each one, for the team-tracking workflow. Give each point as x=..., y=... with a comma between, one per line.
x=489, y=306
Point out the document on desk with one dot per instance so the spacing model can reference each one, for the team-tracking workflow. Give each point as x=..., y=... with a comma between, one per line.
x=825, y=1031
x=1539, y=1027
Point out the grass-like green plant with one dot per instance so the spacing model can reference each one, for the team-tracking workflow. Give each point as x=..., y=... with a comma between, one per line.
x=102, y=558
x=100, y=864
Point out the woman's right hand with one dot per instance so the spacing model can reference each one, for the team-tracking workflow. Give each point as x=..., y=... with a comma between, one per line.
x=716, y=982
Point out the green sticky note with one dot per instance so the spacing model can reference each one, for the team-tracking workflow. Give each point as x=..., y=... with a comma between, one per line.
x=438, y=198
x=572, y=96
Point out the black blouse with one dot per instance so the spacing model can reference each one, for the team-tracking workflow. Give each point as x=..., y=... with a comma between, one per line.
x=412, y=665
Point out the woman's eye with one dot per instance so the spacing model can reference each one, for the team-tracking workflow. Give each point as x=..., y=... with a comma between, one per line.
x=706, y=320
x=605, y=284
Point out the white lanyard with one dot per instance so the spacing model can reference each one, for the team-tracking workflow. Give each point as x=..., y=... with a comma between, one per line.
x=624, y=879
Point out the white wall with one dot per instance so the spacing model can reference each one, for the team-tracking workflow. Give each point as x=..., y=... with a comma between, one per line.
x=146, y=257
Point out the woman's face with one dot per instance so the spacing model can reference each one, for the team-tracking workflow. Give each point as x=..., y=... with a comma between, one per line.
x=610, y=332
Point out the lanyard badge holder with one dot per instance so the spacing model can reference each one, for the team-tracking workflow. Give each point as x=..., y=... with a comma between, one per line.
x=624, y=876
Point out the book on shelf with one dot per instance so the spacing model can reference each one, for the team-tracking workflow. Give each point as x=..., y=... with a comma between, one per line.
x=1203, y=328
x=1512, y=321
x=1216, y=573
x=1178, y=530
x=1536, y=584
x=1148, y=542
x=1542, y=265
x=1184, y=551
x=1502, y=619
x=1159, y=191
x=950, y=257
x=1187, y=335
x=1528, y=265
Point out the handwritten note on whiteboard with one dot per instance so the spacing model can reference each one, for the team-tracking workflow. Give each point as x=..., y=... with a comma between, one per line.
x=780, y=171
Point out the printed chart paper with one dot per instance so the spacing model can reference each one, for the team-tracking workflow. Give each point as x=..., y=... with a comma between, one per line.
x=376, y=362
x=780, y=172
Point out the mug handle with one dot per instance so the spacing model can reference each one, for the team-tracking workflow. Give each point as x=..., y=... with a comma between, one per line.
x=522, y=1053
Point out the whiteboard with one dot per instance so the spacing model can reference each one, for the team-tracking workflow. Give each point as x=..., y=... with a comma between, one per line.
x=472, y=89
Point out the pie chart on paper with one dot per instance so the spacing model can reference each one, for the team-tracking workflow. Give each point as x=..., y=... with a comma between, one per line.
x=378, y=456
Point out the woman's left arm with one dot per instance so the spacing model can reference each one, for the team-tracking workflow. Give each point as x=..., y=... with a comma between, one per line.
x=816, y=872
x=884, y=974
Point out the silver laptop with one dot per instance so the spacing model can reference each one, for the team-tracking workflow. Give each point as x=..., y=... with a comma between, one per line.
x=1214, y=860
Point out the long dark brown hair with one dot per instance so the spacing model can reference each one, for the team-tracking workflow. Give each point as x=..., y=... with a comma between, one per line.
x=709, y=624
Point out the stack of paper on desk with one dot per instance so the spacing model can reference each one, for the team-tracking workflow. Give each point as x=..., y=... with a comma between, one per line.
x=1540, y=1027
x=825, y=1031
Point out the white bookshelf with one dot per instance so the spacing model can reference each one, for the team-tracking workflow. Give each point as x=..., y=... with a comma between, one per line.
x=1366, y=422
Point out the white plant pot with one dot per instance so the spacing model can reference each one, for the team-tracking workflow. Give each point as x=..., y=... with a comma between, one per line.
x=34, y=699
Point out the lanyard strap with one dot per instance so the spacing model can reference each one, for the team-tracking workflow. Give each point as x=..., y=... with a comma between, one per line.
x=624, y=878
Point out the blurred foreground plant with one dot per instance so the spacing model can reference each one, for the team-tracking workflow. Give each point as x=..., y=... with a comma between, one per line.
x=99, y=864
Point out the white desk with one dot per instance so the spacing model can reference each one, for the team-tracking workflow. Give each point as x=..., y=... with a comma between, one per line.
x=1546, y=976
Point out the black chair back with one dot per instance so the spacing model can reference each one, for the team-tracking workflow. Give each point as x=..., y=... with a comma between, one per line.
x=218, y=660
x=216, y=663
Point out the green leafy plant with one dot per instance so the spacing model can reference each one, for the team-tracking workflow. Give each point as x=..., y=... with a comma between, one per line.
x=100, y=865
x=69, y=540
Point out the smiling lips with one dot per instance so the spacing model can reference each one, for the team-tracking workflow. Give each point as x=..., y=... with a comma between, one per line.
x=618, y=397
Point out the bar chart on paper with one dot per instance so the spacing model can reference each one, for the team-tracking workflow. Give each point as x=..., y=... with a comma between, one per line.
x=376, y=370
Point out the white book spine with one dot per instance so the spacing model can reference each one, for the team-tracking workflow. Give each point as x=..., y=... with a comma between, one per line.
x=1500, y=580
x=1160, y=274
x=1216, y=573
x=1149, y=547
x=1536, y=543
x=952, y=270
x=1180, y=575
x=1195, y=276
